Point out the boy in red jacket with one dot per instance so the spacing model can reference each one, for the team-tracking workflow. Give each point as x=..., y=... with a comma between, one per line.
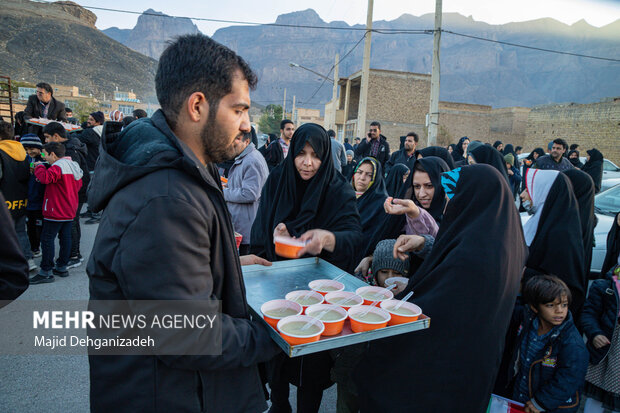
x=63, y=181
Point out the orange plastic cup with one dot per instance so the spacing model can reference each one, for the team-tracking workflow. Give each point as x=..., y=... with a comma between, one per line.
x=364, y=291
x=312, y=335
x=275, y=305
x=344, y=299
x=223, y=179
x=308, y=294
x=238, y=239
x=288, y=247
x=325, y=286
x=332, y=327
x=389, y=305
x=358, y=325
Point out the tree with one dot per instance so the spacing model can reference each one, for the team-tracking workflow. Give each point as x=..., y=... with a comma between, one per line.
x=269, y=121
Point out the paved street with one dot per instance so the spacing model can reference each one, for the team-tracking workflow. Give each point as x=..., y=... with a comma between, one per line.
x=60, y=383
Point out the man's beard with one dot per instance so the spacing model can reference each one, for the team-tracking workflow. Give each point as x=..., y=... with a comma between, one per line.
x=216, y=144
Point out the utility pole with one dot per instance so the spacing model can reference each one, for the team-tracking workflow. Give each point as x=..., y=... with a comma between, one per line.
x=284, y=106
x=433, y=118
x=361, y=118
x=293, y=115
x=335, y=93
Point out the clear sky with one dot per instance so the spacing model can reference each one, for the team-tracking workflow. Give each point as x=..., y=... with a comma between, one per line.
x=595, y=12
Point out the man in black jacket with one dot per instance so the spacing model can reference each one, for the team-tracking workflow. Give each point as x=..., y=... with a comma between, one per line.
x=166, y=234
x=13, y=265
x=375, y=145
x=277, y=150
x=406, y=155
x=44, y=105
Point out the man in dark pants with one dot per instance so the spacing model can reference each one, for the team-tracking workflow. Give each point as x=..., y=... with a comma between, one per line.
x=166, y=234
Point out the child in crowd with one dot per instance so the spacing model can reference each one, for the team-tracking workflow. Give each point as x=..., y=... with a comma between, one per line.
x=63, y=181
x=550, y=354
x=385, y=266
x=600, y=323
x=36, y=190
x=514, y=177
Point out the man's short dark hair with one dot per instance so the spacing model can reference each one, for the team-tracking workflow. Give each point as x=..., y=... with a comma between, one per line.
x=67, y=110
x=127, y=120
x=560, y=141
x=574, y=146
x=56, y=148
x=6, y=131
x=416, y=138
x=139, y=113
x=375, y=123
x=518, y=148
x=543, y=289
x=285, y=122
x=46, y=86
x=357, y=139
x=331, y=133
x=197, y=63
x=55, y=128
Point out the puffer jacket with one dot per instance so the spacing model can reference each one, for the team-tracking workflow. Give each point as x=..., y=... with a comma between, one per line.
x=600, y=315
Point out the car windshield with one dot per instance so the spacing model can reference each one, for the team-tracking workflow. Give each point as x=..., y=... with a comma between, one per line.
x=608, y=202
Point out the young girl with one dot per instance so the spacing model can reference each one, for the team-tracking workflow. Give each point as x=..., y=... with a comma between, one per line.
x=600, y=323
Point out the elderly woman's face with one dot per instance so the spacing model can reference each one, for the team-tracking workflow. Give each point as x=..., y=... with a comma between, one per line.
x=307, y=162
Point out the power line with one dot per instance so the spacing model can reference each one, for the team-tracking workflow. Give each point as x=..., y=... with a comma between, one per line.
x=609, y=59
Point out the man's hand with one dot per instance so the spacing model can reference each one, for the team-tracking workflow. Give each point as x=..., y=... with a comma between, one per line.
x=253, y=259
x=510, y=172
x=401, y=206
x=281, y=231
x=364, y=266
x=407, y=243
x=317, y=241
x=600, y=341
x=529, y=408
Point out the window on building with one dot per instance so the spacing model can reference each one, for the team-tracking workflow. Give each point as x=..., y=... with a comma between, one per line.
x=126, y=109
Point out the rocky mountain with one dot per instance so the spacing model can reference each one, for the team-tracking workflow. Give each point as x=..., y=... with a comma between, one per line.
x=472, y=71
x=58, y=43
x=152, y=32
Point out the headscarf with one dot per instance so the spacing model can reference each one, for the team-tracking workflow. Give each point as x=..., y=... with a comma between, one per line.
x=490, y=156
x=613, y=247
x=470, y=303
x=325, y=201
x=496, y=145
x=473, y=145
x=538, y=183
x=370, y=203
x=439, y=152
x=583, y=187
x=458, y=154
x=557, y=246
x=594, y=167
x=394, y=224
x=394, y=181
x=509, y=149
x=539, y=151
x=575, y=161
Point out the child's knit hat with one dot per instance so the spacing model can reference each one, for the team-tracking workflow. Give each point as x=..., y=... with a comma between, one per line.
x=30, y=140
x=383, y=259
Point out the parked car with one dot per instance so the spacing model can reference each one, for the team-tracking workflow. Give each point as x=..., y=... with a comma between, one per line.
x=606, y=206
x=610, y=170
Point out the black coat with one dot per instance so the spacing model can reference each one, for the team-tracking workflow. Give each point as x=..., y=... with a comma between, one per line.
x=600, y=315
x=594, y=168
x=451, y=366
x=78, y=152
x=363, y=150
x=92, y=140
x=56, y=111
x=166, y=234
x=613, y=247
x=400, y=156
x=274, y=154
x=13, y=265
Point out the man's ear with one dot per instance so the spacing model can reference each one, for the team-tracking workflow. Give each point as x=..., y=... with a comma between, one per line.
x=197, y=107
x=534, y=309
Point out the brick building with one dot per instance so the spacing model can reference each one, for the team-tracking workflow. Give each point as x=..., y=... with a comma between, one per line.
x=592, y=125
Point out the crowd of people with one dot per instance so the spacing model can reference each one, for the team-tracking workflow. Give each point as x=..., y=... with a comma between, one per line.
x=511, y=307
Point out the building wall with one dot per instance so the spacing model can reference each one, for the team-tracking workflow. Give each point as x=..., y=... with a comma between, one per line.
x=462, y=119
x=593, y=125
x=508, y=125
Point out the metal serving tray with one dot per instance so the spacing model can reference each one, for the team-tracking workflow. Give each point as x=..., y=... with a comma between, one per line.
x=269, y=283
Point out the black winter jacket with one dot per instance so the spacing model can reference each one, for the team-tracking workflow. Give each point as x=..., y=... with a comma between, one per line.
x=400, y=156
x=363, y=150
x=92, y=140
x=600, y=315
x=166, y=234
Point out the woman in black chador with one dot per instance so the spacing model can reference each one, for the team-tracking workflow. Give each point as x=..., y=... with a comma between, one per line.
x=305, y=197
x=467, y=284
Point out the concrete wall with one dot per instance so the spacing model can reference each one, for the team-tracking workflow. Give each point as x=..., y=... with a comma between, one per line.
x=462, y=119
x=593, y=125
